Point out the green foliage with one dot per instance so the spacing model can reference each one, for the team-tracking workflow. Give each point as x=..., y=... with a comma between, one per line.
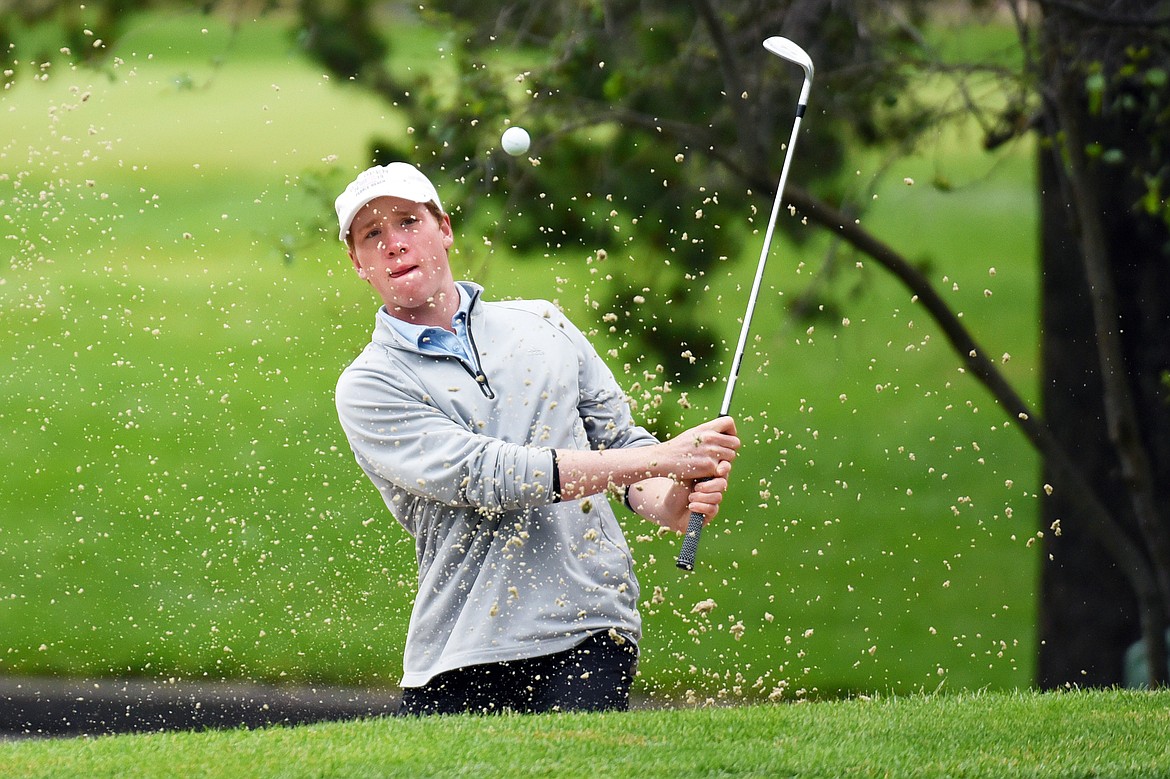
x=671, y=112
x=81, y=32
x=1127, y=96
x=341, y=40
x=1095, y=91
x=661, y=115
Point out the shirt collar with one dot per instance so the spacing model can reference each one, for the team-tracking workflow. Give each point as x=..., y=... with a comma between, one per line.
x=414, y=334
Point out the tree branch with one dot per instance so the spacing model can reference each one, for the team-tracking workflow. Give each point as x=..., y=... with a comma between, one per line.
x=732, y=87
x=1068, y=476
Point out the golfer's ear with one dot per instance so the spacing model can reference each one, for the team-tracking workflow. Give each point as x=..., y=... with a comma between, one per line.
x=361, y=272
x=448, y=233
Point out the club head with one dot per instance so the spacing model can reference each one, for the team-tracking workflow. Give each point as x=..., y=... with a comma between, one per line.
x=786, y=49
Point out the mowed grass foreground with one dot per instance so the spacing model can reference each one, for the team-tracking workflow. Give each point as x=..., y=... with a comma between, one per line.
x=1070, y=734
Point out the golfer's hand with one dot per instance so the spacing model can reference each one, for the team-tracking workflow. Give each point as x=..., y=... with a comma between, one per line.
x=670, y=502
x=706, y=494
x=699, y=452
x=696, y=478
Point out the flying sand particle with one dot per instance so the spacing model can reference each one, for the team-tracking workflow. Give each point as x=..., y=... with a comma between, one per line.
x=704, y=606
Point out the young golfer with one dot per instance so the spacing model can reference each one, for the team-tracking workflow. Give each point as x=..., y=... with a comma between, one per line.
x=494, y=432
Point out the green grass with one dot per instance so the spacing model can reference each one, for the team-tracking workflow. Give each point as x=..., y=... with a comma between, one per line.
x=179, y=500
x=997, y=736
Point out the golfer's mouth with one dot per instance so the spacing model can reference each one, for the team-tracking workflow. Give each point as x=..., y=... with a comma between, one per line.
x=397, y=274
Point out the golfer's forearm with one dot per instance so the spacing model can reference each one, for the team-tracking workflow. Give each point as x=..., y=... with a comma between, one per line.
x=587, y=471
x=656, y=497
x=660, y=500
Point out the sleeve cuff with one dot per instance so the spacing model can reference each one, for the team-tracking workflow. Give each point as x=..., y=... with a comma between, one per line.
x=556, y=477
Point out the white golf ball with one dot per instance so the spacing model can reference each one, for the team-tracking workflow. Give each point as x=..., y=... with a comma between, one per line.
x=515, y=141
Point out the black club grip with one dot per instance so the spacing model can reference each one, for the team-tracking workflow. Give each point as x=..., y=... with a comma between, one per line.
x=690, y=545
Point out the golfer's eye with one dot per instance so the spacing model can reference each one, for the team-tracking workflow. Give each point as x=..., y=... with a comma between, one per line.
x=372, y=234
x=410, y=220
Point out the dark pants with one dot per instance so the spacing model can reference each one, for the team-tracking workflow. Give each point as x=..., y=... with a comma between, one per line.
x=595, y=675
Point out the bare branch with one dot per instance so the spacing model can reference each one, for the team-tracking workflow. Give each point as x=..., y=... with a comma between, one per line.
x=730, y=68
x=1068, y=477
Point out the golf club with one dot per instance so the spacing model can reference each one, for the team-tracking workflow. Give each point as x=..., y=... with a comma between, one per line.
x=785, y=49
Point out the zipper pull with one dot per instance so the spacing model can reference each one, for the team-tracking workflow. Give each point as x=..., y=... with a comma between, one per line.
x=484, y=386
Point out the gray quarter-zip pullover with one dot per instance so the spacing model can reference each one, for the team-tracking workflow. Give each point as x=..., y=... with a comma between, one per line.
x=461, y=452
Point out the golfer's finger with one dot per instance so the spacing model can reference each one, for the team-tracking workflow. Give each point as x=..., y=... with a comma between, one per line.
x=720, y=430
x=705, y=503
x=721, y=467
x=718, y=445
x=722, y=424
x=712, y=487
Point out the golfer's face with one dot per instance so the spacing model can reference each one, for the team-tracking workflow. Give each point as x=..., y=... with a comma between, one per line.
x=400, y=248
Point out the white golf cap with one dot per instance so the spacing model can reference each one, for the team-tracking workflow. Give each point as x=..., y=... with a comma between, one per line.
x=397, y=179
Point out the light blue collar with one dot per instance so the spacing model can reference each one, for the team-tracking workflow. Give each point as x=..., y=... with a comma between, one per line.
x=437, y=340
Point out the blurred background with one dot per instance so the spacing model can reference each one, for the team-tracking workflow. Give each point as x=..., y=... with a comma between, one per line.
x=179, y=501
